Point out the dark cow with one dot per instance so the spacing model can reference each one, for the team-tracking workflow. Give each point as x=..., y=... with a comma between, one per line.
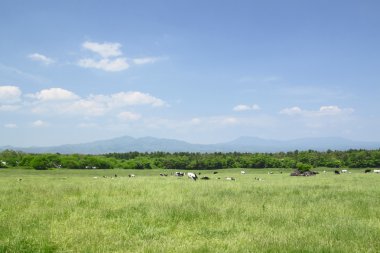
x=215, y=172
x=337, y=172
x=367, y=171
x=205, y=178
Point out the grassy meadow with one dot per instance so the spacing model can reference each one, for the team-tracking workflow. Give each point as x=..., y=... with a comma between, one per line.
x=81, y=211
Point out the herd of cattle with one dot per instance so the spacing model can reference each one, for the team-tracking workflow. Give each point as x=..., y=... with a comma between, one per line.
x=346, y=171
x=194, y=176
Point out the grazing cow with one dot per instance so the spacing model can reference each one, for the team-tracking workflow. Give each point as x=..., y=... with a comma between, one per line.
x=215, y=172
x=344, y=171
x=192, y=176
x=179, y=174
x=163, y=175
x=230, y=178
x=131, y=175
x=337, y=172
x=115, y=175
x=205, y=178
x=376, y=171
x=367, y=171
x=242, y=172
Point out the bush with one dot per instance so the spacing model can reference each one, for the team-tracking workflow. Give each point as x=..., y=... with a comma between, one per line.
x=303, y=167
x=40, y=163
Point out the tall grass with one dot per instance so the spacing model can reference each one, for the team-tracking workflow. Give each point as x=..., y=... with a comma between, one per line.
x=71, y=211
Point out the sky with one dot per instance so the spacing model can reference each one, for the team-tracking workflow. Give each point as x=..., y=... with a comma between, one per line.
x=200, y=71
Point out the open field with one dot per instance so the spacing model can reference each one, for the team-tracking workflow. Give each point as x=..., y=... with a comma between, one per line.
x=72, y=211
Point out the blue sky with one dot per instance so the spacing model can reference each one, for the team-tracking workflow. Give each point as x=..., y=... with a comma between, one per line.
x=200, y=71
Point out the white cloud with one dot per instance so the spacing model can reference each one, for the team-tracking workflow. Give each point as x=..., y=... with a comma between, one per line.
x=241, y=108
x=255, y=107
x=41, y=58
x=83, y=107
x=57, y=100
x=39, y=123
x=331, y=109
x=291, y=111
x=229, y=121
x=54, y=94
x=129, y=116
x=9, y=94
x=195, y=121
x=10, y=125
x=118, y=64
x=134, y=98
x=144, y=60
x=328, y=110
x=107, y=61
x=105, y=50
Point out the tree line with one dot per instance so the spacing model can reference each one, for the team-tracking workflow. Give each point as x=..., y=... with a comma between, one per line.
x=194, y=161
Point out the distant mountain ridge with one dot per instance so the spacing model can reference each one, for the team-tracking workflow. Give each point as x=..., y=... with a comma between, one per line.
x=241, y=144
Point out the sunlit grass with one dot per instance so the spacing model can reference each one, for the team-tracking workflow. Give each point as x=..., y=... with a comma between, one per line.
x=81, y=211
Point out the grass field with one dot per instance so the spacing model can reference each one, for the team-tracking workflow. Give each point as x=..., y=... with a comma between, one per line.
x=80, y=211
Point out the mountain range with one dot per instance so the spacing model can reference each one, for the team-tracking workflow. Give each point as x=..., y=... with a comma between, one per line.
x=241, y=144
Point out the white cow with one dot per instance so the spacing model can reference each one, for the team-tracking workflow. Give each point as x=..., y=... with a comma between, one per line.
x=344, y=171
x=376, y=171
x=242, y=172
x=192, y=176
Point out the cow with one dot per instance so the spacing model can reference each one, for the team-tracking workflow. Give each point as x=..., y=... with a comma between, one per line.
x=376, y=171
x=179, y=174
x=192, y=176
x=242, y=172
x=205, y=178
x=337, y=172
x=230, y=178
x=344, y=171
x=367, y=171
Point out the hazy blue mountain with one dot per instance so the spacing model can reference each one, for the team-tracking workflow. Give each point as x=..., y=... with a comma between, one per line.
x=242, y=144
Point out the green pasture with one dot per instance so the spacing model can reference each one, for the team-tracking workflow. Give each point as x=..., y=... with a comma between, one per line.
x=81, y=211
